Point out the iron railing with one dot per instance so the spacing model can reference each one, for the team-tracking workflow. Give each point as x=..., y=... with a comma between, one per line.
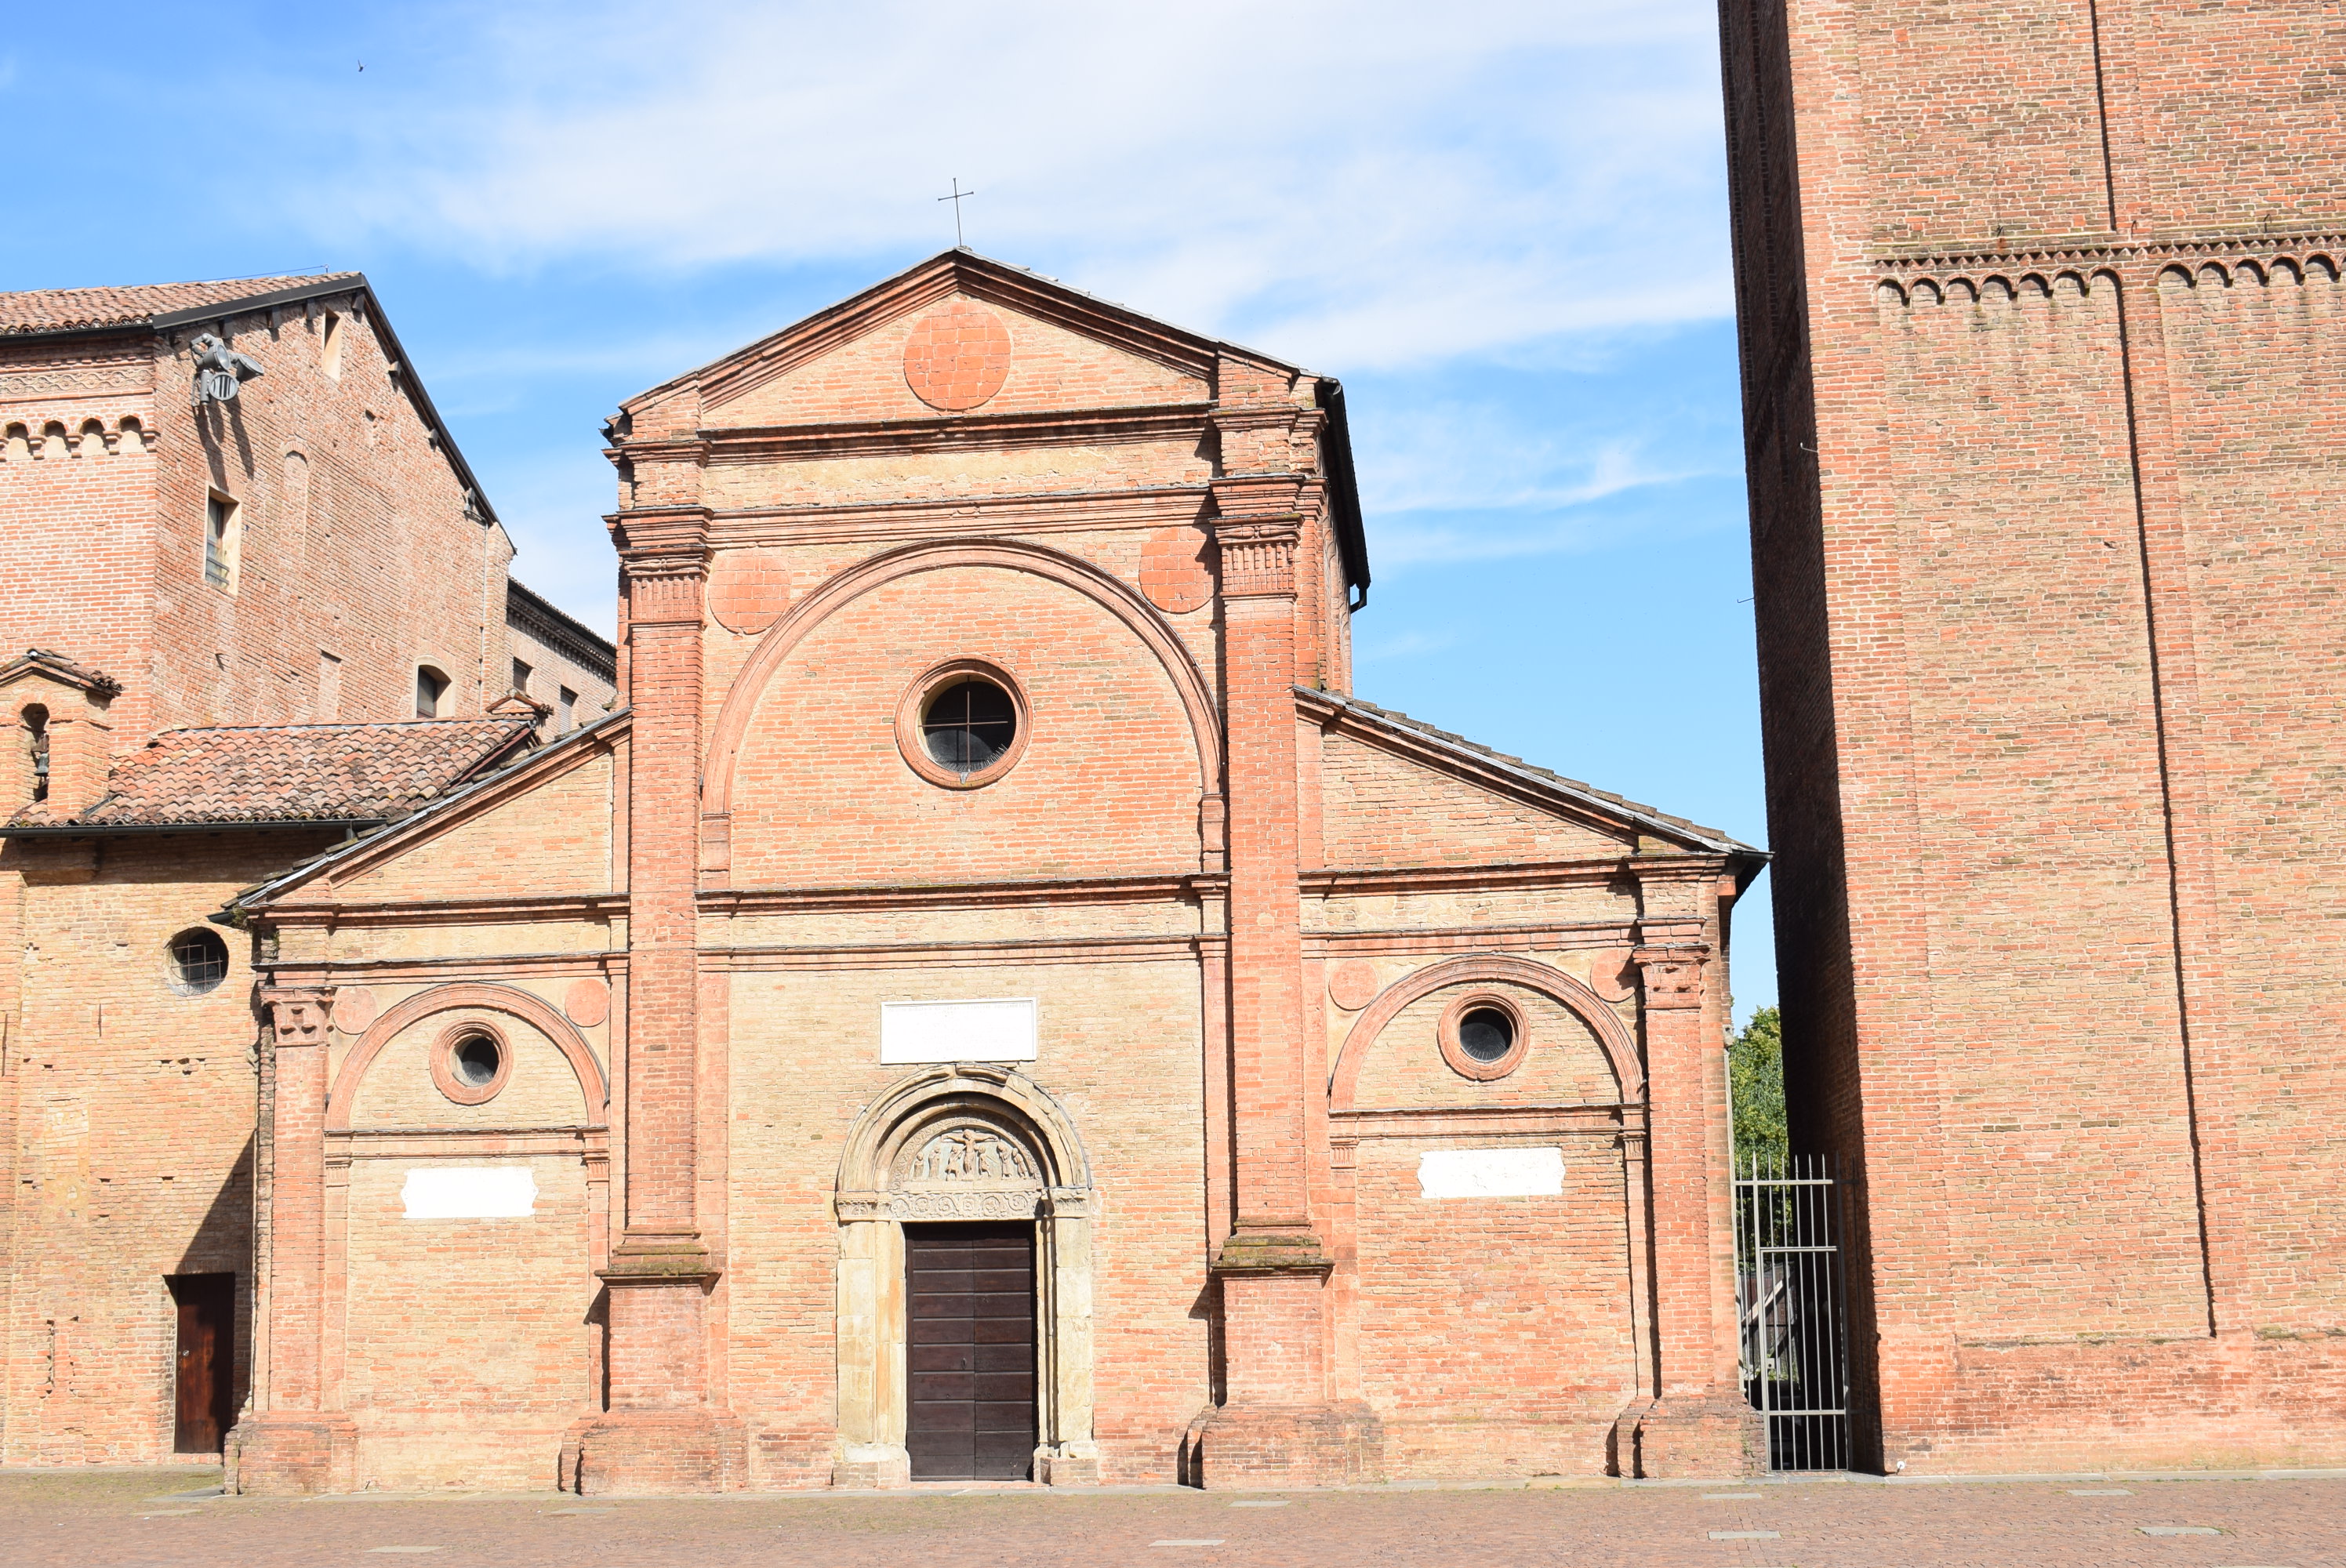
x=1790, y=1294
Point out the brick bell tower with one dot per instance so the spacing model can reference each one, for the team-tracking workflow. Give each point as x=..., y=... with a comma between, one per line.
x=2043, y=348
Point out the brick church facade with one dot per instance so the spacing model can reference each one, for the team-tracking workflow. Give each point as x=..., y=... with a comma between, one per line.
x=2044, y=348
x=984, y=1000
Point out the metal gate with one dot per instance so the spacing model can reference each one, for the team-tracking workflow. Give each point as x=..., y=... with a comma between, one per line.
x=1789, y=1288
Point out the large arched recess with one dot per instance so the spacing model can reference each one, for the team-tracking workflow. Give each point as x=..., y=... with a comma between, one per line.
x=593, y=1092
x=741, y=702
x=1620, y=1049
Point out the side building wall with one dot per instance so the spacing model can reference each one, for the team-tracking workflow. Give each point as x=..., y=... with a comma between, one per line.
x=125, y=1132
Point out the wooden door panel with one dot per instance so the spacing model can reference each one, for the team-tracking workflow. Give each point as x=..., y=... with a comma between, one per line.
x=970, y=1350
x=204, y=1372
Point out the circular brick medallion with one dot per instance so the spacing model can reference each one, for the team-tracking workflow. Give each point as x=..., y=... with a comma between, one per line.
x=587, y=1003
x=1352, y=984
x=1610, y=974
x=749, y=590
x=1173, y=569
x=353, y=1009
x=957, y=357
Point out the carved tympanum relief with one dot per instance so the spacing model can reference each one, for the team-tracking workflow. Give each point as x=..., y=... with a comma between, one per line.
x=967, y=1173
x=972, y=1155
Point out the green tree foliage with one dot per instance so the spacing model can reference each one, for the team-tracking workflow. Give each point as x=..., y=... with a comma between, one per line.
x=1755, y=1070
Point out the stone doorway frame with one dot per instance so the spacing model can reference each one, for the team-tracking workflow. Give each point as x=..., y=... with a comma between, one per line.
x=962, y=1141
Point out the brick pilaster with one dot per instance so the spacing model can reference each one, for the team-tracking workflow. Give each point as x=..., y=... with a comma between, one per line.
x=1700, y=1424
x=663, y=1429
x=293, y=1441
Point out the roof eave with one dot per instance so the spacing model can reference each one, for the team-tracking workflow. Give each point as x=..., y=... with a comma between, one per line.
x=229, y=825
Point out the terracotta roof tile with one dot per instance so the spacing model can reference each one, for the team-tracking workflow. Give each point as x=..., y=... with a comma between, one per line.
x=292, y=773
x=70, y=310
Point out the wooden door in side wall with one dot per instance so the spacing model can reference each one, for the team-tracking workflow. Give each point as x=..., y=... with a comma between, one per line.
x=207, y=1360
x=970, y=1350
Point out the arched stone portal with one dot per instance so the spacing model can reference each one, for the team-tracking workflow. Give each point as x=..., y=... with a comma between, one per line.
x=962, y=1142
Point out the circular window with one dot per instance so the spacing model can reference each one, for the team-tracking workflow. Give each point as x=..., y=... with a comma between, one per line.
x=969, y=727
x=1484, y=1037
x=1486, y=1033
x=196, y=961
x=962, y=723
x=470, y=1063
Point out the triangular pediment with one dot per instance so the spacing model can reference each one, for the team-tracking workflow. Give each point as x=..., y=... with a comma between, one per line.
x=1395, y=792
x=849, y=362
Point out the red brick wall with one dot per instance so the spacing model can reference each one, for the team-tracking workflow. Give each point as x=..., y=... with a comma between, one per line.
x=126, y=1122
x=362, y=548
x=2041, y=543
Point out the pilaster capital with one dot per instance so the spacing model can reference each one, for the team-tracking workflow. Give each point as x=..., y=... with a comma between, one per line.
x=1258, y=555
x=660, y=533
x=298, y=1015
x=1672, y=974
x=664, y=560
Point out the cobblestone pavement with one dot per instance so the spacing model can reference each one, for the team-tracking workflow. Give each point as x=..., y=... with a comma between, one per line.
x=98, y=1519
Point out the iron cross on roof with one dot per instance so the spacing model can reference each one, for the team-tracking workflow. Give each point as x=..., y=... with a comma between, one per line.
x=957, y=198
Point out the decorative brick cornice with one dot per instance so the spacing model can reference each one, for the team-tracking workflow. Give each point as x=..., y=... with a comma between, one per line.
x=1258, y=555
x=2086, y=253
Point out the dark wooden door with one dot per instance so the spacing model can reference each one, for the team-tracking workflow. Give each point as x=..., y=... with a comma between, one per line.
x=970, y=1305
x=206, y=1366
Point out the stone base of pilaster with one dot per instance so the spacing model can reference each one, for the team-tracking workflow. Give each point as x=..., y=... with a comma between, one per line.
x=866, y=1466
x=1067, y=1464
x=1255, y=1446
x=1683, y=1436
x=290, y=1455
x=640, y=1451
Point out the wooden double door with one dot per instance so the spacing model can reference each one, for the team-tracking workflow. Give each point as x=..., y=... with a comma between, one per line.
x=970, y=1350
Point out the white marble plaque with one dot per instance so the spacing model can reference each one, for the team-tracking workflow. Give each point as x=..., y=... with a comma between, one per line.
x=957, y=1031
x=1491, y=1173
x=469, y=1192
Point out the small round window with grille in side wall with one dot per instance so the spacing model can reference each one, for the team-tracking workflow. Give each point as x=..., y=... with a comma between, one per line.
x=963, y=724
x=195, y=961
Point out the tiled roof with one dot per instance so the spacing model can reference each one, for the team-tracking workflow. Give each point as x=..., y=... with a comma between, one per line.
x=59, y=667
x=73, y=309
x=292, y=773
x=1517, y=765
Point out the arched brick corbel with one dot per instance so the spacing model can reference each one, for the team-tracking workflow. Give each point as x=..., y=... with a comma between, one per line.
x=1620, y=1050
x=732, y=724
x=506, y=999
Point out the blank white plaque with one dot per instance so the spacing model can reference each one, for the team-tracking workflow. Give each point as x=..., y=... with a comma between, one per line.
x=1491, y=1173
x=957, y=1031
x=469, y=1192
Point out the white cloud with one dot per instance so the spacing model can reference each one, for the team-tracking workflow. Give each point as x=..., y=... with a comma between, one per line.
x=1354, y=185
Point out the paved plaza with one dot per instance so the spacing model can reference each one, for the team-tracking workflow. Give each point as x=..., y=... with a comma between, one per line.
x=97, y=1519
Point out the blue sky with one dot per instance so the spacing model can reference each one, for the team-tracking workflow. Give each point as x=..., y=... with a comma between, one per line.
x=1503, y=226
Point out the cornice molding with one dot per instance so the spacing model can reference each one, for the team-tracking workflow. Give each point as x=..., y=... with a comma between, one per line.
x=1168, y=887
x=1048, y=512
x=964, y=432
x=962, y=954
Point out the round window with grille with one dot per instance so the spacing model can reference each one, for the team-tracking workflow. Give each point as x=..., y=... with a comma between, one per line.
x=196, y=961
x=963, y=724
